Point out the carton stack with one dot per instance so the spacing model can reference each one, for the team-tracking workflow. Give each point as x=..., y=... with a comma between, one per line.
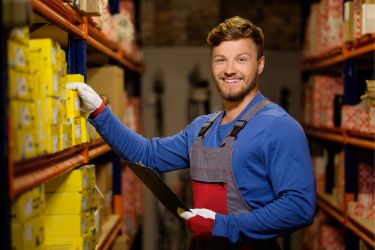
x=49, y=70
x=70, y=208
x=44, y=117
x=21, y=96
x=74, y=122
x=27, y=223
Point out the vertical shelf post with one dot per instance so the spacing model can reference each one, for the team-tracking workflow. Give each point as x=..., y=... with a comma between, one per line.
x=4, y=174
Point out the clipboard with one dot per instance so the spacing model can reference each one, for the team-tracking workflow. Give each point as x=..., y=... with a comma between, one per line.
x=159, y=188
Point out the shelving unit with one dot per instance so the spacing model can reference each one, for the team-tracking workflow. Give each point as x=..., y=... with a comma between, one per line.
x=67, y=18
x=346, y=137
x=358, y=49
x=24, y=175
x=110, y=230
x=355, y=48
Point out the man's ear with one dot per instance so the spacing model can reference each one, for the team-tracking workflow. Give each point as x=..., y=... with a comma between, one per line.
x=261, y=63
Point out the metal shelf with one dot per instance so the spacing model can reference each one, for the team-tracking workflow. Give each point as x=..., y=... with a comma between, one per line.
x=366, y=233
x=70, y=20
x=355, y=48
x=36, y=171
x=346, y=137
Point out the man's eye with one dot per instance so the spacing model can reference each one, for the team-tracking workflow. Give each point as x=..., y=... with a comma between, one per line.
x=219, y=60
x=242, y=59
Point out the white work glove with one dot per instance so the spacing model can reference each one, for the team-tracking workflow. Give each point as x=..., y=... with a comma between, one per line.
x=90, y=100
x=203, y=212
x=200, y=222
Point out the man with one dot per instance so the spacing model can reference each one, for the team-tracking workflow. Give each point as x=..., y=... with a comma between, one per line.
x=252, y=178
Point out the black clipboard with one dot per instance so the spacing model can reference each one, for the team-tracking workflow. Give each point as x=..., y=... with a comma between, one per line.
x=159, y=188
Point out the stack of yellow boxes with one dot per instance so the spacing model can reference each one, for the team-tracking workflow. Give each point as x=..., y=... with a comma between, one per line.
x=28, y=221
x=74, y=122
x=48, y=69
x=21, y=96
x=70, y=207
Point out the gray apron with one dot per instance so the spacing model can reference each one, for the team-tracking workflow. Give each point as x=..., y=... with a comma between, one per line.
x=213, y=184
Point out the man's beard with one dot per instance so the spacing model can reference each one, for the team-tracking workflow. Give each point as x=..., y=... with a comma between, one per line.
x=239, y=95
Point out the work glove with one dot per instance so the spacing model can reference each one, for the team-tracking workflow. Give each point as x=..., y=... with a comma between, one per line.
x=200, y=222
x=91, y=102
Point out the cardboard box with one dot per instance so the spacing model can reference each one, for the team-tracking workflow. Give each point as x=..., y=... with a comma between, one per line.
x=22, y=114
x=48, y=50
x=72, y=105
x=108, y=81
x=77, y=180
x=26, y=146
x=18, y=56
x=56, y=203
x=69, y=243
x=89, y=7
x=29, y=235
x=68, y=225
x=20, y=35
x=67, y=139
x=20, y=85
x=29, y=205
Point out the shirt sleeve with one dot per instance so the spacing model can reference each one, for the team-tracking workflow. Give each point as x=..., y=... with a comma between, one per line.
x=289, y=168
x=162, y=154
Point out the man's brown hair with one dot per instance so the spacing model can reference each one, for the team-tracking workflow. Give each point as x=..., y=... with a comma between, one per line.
x=235, y=28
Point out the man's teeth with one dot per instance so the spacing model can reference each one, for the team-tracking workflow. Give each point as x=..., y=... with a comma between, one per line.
x=232, y=80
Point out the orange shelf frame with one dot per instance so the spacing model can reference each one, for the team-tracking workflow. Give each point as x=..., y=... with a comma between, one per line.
x=355, y=48
x=357, y=139
x=69, y=19
x=325, y=203
x=36, y=171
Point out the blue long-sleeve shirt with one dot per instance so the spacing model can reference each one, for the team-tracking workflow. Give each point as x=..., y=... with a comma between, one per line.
x=271, y=167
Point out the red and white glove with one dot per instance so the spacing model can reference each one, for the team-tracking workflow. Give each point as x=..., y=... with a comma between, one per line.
x=200, y=222
x=91, y=102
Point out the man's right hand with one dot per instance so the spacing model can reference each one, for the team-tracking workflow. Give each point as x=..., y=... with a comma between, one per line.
x=90, y=100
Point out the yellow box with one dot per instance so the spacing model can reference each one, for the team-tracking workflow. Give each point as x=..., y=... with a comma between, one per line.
x=22, y=114
x=61, y=59
x=35, y=61
x=18, y=56
x=29, y=235
x=76, y=131
x=90, y=169
x=51, y=108
x=29, y=204
x=76, y=180
x=49, y=78
x=70, y=243
x=75, y=78
x=56, y=203
x=26, y=144
x=68, y=225
x=48, y=49
x=67, y=139
x=21, y=35
x=84, y=133
x=72, y=104
x=21, y=85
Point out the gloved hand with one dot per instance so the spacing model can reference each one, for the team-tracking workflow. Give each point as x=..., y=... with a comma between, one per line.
x=200, y=222
x=90, y=100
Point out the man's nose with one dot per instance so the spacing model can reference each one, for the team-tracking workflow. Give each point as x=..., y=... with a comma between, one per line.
x=230, y=69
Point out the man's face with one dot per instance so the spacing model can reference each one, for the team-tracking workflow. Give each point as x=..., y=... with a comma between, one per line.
x=235, y=68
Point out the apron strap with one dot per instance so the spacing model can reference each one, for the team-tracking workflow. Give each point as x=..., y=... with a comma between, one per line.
x=208, y=124
x=240, y=123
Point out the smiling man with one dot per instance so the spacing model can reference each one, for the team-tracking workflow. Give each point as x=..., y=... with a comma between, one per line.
x=250, y=167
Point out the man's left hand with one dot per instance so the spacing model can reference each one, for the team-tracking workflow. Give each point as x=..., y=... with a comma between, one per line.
x=200, y=222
